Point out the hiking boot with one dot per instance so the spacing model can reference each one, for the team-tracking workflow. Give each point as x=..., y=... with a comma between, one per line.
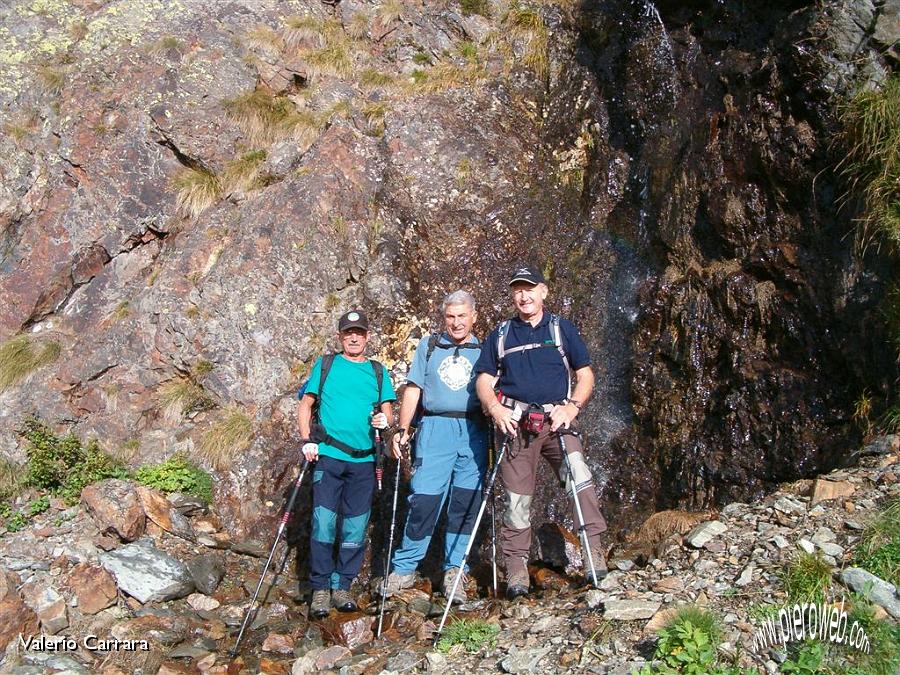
x=517, y=584
x=459, y=597
x=598, y=555
x=397, y=582
x=343, y=601
x=320, y=604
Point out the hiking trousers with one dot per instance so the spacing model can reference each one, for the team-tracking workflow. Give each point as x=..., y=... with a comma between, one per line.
x=518, y=470
x=342, y=496
x=451, y=458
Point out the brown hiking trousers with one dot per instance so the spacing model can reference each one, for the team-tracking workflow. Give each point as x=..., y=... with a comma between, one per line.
x=519, y=473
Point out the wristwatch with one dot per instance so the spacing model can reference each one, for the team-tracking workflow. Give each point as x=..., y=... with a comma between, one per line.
x=574, y=402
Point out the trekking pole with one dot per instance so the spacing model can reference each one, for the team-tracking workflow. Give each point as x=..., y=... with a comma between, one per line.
x=487, y=493
x=379, y=447
x=561, y=433
x=281, y=528
x=491, y=443
x=387, y=561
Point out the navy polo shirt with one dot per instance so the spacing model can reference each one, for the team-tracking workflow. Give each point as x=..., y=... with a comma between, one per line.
x=534, y=375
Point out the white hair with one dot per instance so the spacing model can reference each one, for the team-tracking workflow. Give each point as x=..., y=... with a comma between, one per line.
x=459, y=297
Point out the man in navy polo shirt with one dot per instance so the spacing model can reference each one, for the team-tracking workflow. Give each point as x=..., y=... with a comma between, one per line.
x=524, y=382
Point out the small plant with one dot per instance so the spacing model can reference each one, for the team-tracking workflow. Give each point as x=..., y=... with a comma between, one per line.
x=418, y=76
x=177, y=474
x=38, y=506
x=51, y=78
x=422, y=59
x=265, y=39
x=16, y=522
x=374, y=114
x=197, y=189
x=807, y=660
x=333, y=59
x=480, y=7
x=201, y=369
x=862, y=411
x=469, y=51
x=883, y=657
x=165, y=44
x=371, y=78
x=688, y=644
x=879, y=548
x=358, y=26
x=472, y=634
x=21, y=355
x=332, y=300
x=265, y=118
x=227, y=437
x=806, y=578
x=62, y=465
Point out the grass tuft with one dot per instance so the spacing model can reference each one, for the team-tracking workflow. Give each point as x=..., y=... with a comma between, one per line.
x=265, y=118
x=243, y=174
x=358, y=26
x=472, y=634
x=871, y=163
x=11, y=481
x=371, y=78
x=165, y=44
x=181, y=396
x=878, y=550
x=528, y=26
x=21, y=356
x=51, y=78
x=229, y=436
x=196, y=190
x=806, y=578
x=265, y=39
x=480, y=7
x=389, y=12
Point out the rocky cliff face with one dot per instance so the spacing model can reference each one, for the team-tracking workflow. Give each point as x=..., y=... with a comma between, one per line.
x=191, y=195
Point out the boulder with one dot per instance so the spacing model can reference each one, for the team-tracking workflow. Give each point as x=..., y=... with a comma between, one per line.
x=351, y=630
x=115, y=507
x=148, y=574
x=93, y=586
x=704, y=532
x=826, y=490
x=16, y=618
x=874, y=588
x=48, y=604
x=158, y=509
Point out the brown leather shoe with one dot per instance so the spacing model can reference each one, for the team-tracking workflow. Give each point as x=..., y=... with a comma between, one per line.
x=343, y=601
x=517, y=584
x=320, y=604
x=598, y=555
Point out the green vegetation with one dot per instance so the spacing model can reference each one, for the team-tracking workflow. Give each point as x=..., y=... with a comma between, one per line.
x=528, y=26
x=227, y=437
x=879, y=548
x=38, y=506
x=166, y=43
x=374, y=114
x=177, y=474
x=21, y=355
x=358, y=26
x=243, y=174
x=300, y=28
x=884, y=639
x=421, y=58
x=333, y=59
x=806, y=578
x=688, y=644
x=197, y=189
x=266, y=39
x=10, y=479
x=201, y=369
x=389, y=12
x=472, y=634
x=808, y=659
x=475, y=7
x=371, y=78
x=62, y=465
x=16, y=522
x=871, y=139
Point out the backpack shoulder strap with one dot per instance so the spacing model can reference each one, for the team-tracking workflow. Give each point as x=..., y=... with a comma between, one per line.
x=327, y=362
x=556, y=334
x=433, y=340
x=378, y=367
x=501, y=340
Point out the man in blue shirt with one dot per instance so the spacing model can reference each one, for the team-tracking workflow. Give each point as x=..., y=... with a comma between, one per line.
x=451, y=445
x=341, y=444
x=524, y=382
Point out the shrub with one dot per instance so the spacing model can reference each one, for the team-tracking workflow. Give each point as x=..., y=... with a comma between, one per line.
x=472, y=634
x=806, y=578
x=63, y=466
x=808, y=659
x=177, y=474
x=16, y=522
x=884, y=640
x=879, y=548
x=39, y=505
x=21, y=355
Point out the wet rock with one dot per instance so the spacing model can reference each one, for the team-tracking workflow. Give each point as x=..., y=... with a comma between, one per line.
x=15, y=616
x=704, y=532
x=524, y=660
x=876, y=589
x=93, y=586
x=115, y=507
x=826, y=490
x=47, y=603
x=558, y=547
x=148, y=574
x=207, y=572
x=351, y=630
x=629, y=610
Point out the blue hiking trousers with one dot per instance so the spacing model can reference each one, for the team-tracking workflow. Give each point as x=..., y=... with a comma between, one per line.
x=451, y=458
x=342, y=495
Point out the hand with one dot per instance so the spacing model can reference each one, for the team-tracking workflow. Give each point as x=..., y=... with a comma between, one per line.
x=398, y=442
x=562, y=416
x=503, y=419
x=380, y=421
x=311, y=451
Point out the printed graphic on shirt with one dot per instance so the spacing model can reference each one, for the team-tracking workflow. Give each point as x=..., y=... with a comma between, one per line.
x=455, y=372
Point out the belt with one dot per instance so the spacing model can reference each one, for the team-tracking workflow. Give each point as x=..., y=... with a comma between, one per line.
x=523, y=406
x=468, y=415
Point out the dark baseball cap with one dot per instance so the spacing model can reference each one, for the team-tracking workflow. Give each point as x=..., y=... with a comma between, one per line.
x=353, y=319
x=531, y=275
